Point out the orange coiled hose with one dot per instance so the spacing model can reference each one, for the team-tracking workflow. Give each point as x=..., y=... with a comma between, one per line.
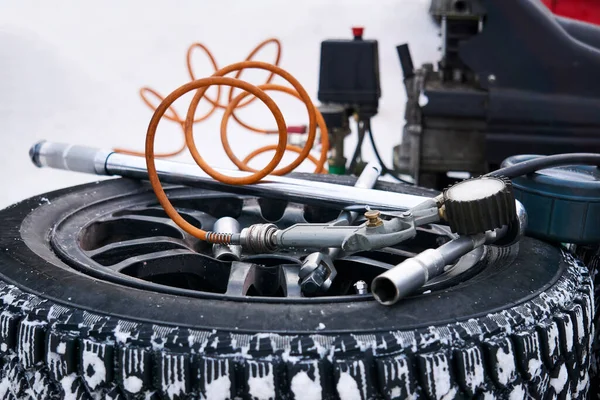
x=303, y=154
x=230, y=108
x=201, y=86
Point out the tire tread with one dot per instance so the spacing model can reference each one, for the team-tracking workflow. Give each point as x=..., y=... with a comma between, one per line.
x=538, y=348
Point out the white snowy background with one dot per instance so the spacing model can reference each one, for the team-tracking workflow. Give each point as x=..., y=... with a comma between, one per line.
x=70, y=71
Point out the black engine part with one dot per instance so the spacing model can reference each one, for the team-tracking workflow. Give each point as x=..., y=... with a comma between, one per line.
x=512, y=79
x=349, y=73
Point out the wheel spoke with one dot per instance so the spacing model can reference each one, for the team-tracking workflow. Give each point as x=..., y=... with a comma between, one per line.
x=248, y=279
x=150, y=220
x=250, y=213
x=166, y=257
x=238, y=277
x=158, y=212
x=258, y=210
x=113, y=230
x=180, y=268
x=292, y=288
x=215, y=204
x=114, y=253
x=294, y=214
x=368, y=262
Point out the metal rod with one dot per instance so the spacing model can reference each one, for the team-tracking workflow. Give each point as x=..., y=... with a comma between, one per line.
x=411, y=274
x=105, y=162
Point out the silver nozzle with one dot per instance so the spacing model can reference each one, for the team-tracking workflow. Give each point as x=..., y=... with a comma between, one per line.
x=227, y=252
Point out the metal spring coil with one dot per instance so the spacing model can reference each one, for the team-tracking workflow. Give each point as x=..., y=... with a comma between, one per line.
x=218, y=238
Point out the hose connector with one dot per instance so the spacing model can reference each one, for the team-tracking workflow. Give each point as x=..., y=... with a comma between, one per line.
x=259, y=238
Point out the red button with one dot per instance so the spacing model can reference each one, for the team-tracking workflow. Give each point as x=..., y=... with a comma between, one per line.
x=357, y=31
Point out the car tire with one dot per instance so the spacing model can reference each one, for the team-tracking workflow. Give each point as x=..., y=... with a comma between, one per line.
x=521, y=328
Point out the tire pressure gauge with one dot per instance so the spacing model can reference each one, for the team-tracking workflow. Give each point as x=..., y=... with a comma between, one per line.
x=480, y=204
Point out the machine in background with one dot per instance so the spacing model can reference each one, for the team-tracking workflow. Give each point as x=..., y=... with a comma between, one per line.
x=512, y=79
x=581, y=10
x=348, y=87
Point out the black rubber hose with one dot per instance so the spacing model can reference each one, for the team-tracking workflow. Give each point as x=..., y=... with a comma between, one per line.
x=536, y=164
x=384, y=170
x=357, y=150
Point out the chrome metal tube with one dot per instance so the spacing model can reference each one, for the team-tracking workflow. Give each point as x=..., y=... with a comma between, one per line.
x=411, y=274
x=69, y=157
x=368, y=177
x=313, y=235
x=227, y=252
x=104, y=162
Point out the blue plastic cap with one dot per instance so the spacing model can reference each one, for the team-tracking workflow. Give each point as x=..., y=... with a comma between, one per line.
x=562, y=203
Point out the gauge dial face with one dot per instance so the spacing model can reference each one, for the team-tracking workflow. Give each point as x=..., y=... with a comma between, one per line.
x=476, y=189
